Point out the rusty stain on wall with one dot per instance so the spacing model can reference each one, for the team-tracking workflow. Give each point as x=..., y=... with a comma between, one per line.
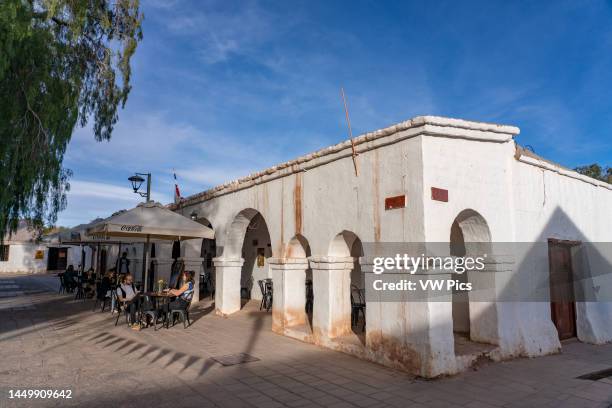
x=297, y=203
x=395, y=352
x=282, y=219
x=376, y=193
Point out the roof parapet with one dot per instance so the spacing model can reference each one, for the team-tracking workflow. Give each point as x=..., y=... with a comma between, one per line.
x=429, y=125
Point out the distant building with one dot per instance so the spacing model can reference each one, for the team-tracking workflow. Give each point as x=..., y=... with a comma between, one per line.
x=22, y=252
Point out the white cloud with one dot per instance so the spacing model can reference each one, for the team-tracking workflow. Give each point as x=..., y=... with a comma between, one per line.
x=221, y=31
x=89, y=199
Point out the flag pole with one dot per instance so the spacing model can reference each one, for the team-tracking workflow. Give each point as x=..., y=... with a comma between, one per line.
x=348, y=122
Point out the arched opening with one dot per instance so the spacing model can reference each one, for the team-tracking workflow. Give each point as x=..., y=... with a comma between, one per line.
x=208, y=250
x=153, y=272
x=249, y=239
x=469, y=237
x=299, y=248
x=176, y=249
x=348, y=244
x=177, y=265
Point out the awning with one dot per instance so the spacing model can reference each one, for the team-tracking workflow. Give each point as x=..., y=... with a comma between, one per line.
x=150, y=220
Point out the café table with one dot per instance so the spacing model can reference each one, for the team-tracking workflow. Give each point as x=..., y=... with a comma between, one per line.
x=160, y=299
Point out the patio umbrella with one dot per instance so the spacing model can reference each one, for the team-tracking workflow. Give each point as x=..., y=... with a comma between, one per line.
x=150, y=220
x=77, y=236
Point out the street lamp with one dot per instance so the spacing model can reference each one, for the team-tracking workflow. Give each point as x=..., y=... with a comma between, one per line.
x=137, y=181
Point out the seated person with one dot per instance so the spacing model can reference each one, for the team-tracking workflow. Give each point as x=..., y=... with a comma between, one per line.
x=126, y=292
x=89, y=284
x=183, y=294
x=70, y=278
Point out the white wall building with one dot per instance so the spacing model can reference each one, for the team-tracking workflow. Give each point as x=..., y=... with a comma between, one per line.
x=22, y=253
x=429, y=179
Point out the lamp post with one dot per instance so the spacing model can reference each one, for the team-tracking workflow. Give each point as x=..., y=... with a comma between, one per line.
x=137, y=181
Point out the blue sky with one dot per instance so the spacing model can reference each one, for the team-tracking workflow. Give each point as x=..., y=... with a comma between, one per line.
x=221, y=89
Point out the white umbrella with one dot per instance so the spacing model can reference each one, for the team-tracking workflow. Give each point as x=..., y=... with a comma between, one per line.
x=150, y=220
x=77, y=236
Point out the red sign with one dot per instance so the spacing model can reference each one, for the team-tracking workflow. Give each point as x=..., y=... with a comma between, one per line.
x=439, y=194
x=392, y=203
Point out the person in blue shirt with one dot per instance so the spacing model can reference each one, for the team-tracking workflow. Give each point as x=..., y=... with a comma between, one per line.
x=184, y=294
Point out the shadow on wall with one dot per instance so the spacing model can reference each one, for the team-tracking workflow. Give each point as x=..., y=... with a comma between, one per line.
x=518, y=315
x=533, y=332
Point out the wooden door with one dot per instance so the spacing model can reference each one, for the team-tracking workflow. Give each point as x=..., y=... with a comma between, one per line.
x=52, y=259
x=563, y=309
x=62, y=258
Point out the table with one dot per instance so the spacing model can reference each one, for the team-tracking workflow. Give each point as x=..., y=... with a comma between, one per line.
x=155, y=296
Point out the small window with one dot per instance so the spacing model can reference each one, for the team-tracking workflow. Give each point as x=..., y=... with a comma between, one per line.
x=4, y=253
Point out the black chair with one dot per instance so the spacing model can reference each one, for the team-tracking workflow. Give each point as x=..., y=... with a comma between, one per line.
x=149, y=309
x=309, y=297
x=102, y=296
x=182, y=313
x=80, y=294
x=265, y=286
x=62, y=288
x=358, y=305
x=207, y=284
x=124, y=307
x=68, y=280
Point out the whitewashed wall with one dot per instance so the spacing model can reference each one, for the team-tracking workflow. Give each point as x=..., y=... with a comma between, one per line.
x=319, y=196
x=22, y=259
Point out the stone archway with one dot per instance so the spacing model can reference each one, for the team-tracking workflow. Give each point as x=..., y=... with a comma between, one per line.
x=476, y=320
x=208, y=251
x=331, y=281
x=291, y=275
x=244, y=261
x=348, y=245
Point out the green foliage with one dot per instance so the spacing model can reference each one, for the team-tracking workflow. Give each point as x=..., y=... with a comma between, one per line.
x=62, y=63
x=597, y=172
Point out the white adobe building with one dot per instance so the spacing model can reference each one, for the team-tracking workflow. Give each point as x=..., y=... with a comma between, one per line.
x=423, y=180
x=21, y=252
x=26, y=252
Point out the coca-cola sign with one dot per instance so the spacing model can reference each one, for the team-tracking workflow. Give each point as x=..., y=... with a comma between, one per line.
x=131, y=228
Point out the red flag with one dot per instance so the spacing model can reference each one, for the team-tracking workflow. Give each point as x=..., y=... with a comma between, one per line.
x=177, y=192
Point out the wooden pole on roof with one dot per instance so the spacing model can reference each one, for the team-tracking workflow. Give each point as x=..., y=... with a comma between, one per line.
x=348, y=122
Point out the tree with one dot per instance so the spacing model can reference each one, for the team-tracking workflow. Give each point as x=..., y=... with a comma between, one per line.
x=62, y=63
x=597, y=172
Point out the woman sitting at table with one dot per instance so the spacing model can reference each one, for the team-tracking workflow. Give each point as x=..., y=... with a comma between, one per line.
x=70, y=278
x=126, y=292
x=183, y=294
